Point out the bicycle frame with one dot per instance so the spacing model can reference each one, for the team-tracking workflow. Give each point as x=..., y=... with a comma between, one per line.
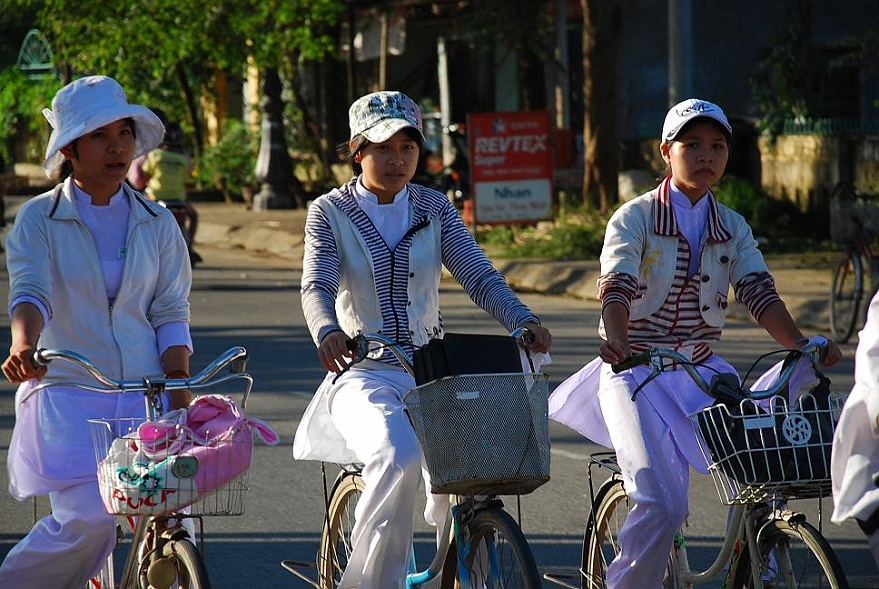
x=745, y=524
x=746, y=521
x=152, y=389
x=458, y=516
x=453, y=529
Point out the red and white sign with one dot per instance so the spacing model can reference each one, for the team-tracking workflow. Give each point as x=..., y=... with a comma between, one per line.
x=510, y=166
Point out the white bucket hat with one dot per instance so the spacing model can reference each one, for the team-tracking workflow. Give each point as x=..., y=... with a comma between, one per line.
x=89, y=103
x=692, y=108
x=379, y=115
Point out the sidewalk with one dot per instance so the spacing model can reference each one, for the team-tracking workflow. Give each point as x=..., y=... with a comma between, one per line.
x=279, y=232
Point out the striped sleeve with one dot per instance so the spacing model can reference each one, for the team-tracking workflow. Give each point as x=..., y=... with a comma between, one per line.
x=756, y=291
x=320, y=275
x=617, y=287
x=469, y=265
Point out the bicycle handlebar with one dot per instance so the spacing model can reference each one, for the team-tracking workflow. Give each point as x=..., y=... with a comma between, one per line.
x=234, y=358
x=654, y=358
x=360, y=344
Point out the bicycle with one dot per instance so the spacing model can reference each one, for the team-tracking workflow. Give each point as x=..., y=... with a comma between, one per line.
x=482, y=544
x=756, y=470
x=163, y=551
x=856, y=274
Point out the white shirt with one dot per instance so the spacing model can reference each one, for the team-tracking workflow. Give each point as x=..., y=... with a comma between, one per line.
x=391, y=220
x=692, y=220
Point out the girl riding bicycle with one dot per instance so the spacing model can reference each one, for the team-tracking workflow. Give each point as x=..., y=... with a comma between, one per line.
x=668, y=260
x=374, y=250
x=96, y=268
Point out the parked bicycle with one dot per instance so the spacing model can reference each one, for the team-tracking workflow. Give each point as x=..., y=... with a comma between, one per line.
x=856, y=274
x=763, y=449
x=163, y=550
x=482, y=436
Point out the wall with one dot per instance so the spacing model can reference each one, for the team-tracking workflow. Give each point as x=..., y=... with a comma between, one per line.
x=805, y=168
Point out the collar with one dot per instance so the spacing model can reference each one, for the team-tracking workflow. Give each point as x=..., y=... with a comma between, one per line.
x=64, y=207
x=344, y=198
x=665, y=223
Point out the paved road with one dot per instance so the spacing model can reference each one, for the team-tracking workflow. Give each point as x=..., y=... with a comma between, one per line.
x=241, y=297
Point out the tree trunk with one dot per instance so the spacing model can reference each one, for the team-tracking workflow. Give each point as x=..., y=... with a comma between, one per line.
x=191, y=106
x=601, y=27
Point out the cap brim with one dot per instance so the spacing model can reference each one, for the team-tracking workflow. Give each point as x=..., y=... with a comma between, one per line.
x=671, y=135
x=386, y=129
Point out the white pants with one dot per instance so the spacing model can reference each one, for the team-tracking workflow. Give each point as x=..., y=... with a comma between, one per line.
x=369, y=412
x=655, y=474
x=65, y=548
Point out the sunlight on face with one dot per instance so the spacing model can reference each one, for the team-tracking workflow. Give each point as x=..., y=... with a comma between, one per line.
x=697, y=157
x=389, y=166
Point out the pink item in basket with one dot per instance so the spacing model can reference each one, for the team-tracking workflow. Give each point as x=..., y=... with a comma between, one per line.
x=183, y=456
x=222, y=439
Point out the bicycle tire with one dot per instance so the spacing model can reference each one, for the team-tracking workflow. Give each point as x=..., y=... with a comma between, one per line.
x=799, y=551
x=601, y=539
x=191, y=570
x=335, y=541
x=846, y=296
x=517, y=568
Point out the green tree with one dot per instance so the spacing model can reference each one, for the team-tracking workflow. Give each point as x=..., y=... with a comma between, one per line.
x=167, y=53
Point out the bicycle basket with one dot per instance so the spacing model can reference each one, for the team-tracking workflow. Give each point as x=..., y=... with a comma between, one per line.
x=138, y=478
x=484, y=434
x=759, y=450
x=844, y=211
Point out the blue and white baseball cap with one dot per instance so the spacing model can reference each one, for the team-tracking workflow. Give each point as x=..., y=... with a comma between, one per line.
x=692, y=108
x=379, y=115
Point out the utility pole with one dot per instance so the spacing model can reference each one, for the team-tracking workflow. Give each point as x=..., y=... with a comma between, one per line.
x=680, y=50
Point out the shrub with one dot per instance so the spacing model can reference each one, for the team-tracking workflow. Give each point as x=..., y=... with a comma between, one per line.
x=230, y=165
x=577, y=236
x=775, y=219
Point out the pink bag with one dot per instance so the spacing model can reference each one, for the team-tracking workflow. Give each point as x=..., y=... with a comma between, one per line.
x=182, y=457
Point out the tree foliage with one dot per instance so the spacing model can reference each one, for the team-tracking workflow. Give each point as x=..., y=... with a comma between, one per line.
x=167, y=53
x=784, y=85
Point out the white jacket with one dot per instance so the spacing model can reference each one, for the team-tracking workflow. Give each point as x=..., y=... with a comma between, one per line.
x=856, y=438
x=51, y=256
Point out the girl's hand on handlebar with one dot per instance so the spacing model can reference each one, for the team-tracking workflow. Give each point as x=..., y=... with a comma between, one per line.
x=832, y=354
x=614, y=351
x=19, y=366
x=334, y=352
x=542, y=339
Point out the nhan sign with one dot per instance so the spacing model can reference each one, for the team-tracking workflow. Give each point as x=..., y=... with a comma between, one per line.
x=510, y=166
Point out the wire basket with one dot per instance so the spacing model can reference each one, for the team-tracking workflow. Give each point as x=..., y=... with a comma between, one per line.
x=138, y=478
x=760, y=450
x=483, y=434
x=843, y=215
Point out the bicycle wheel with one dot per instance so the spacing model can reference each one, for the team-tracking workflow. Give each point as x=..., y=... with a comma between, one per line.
x=601, y=539
x=182, y=565
x=499, y=555
x=335, y=541
x=846, y=293
x=793, y=555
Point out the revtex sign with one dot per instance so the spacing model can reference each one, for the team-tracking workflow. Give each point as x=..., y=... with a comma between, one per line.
x=510, y=166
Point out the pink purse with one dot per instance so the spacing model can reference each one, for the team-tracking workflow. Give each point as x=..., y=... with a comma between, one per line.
x=181, y=458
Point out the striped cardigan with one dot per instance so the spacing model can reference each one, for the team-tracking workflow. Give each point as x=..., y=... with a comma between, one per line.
x=352, y=281
x=644, y=266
